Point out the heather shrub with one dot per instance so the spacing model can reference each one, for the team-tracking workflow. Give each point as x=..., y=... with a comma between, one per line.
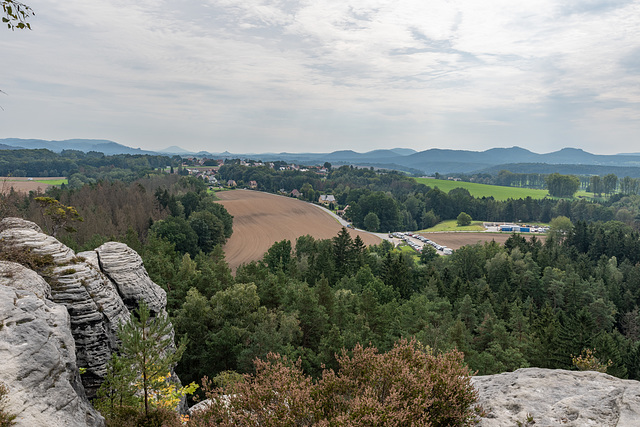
x=278, y=394
x=403, y=387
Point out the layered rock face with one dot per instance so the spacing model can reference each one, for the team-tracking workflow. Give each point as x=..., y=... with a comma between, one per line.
x=39, y=361
x=96, y=291
x=555, y=397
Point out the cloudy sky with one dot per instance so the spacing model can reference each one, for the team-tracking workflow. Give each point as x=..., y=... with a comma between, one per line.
x=324, y=75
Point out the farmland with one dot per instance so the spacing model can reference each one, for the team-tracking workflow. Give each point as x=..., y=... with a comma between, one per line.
x=455, y=240
x=483, y=190
x=30, y=184
x=261, y=219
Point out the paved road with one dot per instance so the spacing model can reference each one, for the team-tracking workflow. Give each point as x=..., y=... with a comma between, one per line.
x=345, y=223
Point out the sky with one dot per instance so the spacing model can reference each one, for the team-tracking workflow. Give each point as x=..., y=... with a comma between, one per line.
x=255, y=76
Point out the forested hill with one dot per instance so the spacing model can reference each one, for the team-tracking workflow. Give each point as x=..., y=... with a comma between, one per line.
x=44, y=162
x=424, y=162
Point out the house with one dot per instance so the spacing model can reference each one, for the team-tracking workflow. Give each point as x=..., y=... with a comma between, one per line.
x=231, y=183
x=326, y=199
x=253, y=185
x=341, y=212
x=295, y=193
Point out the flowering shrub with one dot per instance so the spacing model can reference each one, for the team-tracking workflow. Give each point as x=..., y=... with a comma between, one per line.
x=406, y=386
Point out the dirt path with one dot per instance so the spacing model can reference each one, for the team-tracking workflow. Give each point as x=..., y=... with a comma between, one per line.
x=261, y=219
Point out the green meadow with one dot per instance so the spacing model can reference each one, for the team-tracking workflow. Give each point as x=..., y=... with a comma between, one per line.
x=52, y=181
x=452, y=225
x=483, y=190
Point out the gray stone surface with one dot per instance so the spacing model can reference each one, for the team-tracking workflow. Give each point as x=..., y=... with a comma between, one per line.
x=19, y=277
x=38, y=358
x=96, y=310
x=124, y=267
x=25, y=234
x=555, y=397
x=13, y=222
x=94, y=287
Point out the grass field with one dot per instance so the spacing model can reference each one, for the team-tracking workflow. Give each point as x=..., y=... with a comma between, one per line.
x=53, y=181
x=498, y=192
x=483, y=190
x=452, y=225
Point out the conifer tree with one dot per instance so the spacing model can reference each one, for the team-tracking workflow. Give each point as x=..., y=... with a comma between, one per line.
x=148, y=349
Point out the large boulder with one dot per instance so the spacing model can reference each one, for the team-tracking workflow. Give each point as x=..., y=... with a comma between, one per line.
x=556, y=397
x=39, y=363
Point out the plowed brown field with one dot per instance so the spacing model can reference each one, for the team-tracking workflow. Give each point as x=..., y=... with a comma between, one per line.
x=261, y=219
x=455, y=240
x=24, y=185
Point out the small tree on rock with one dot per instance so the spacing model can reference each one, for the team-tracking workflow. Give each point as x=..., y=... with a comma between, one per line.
x=149, y=353
x=58, y=216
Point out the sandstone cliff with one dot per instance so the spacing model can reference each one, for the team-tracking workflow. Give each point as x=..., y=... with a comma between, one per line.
x=62, y=314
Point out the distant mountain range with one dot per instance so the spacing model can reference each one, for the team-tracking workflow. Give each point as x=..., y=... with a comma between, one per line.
x=84, y=145
x=566, y=160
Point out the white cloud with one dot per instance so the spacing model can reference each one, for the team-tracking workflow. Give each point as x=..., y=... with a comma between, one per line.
x=156, y=73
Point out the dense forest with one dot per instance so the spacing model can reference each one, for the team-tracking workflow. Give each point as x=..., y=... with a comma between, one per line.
x=525, y=303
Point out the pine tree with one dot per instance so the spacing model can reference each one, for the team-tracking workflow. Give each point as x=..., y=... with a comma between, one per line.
x=148, y=348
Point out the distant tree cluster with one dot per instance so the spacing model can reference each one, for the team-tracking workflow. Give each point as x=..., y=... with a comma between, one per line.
x=562, y=185
x=81, y=168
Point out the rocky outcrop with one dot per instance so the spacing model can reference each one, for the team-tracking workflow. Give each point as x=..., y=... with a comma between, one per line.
x=39, y=362
x=555, y=397
x=124, y=267
x=95, y=290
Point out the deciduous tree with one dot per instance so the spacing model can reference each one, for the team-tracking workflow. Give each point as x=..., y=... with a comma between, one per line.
x=16, y=14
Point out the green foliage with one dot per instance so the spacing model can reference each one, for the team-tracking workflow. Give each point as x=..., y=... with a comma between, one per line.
x=58, y=216
x=562, y=185
x=16, y=14
x=371, y=222
x=148, y=355
x=179, y=232
x=463, y=219
x=117, y=395
x=560, y=227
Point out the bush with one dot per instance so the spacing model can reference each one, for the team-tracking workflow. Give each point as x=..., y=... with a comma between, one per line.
x=587, y=361
x=406, y=386
x=463, y=219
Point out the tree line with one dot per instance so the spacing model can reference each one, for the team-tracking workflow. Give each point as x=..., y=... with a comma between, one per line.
x=80, y=167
